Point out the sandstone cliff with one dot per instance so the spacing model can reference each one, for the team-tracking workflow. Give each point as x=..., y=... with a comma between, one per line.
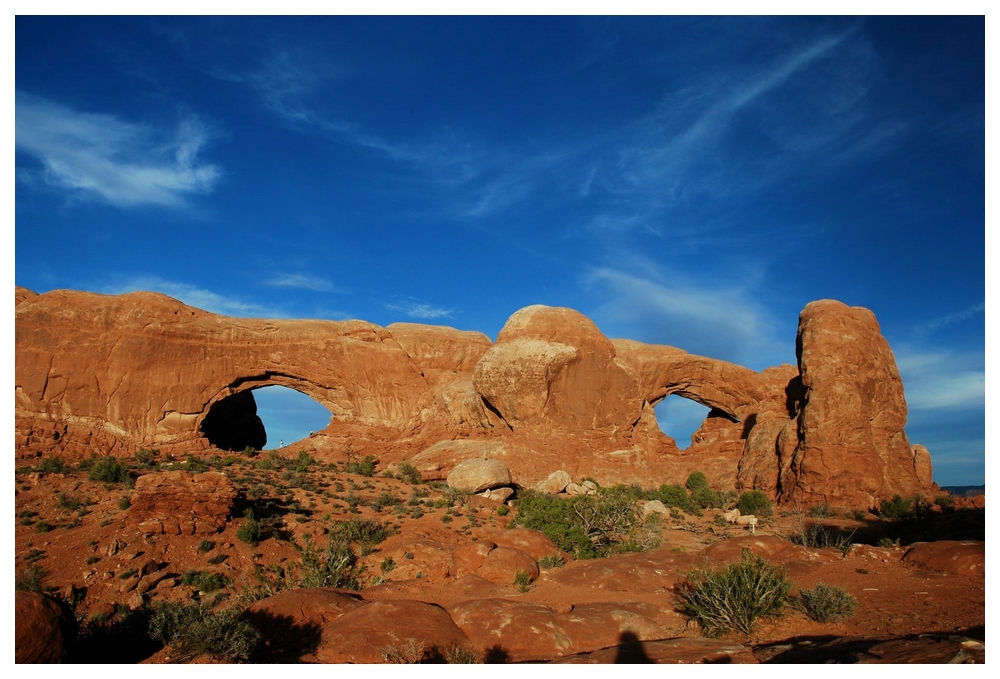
x=100, y=374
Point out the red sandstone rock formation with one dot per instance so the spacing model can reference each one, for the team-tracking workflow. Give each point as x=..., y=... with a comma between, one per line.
x=100, y=374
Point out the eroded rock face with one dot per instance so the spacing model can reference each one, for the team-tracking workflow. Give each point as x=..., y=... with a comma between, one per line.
x=181, y=503
x=114, y=374
x=852, y=448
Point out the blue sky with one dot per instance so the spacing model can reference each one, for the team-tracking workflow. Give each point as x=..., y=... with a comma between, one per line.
x=691, y=181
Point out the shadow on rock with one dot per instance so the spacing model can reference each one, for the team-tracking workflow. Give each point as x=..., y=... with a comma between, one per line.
x=630, y=650
x=287, y=641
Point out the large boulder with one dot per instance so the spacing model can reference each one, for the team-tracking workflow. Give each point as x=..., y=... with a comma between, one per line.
x=960, y=557
x=386, y=630
x=552, y=368
x=42, y=629
x=292, y=621
x=474, y=476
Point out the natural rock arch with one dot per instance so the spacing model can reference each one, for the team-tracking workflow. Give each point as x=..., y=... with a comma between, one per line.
x=112, y=374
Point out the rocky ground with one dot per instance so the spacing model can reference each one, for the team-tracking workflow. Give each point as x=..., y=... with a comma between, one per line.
x=443, y=575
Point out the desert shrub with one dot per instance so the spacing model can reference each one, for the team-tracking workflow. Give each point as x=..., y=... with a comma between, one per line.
x=407, y=472
x=29, y=580
x=303, y=462
x=206, y=546
x=583, y=525
x=704, y=497
x=362, y=530
x=146, y=457
x=193, y=629
x=735, y=596
x=51, y=465
x=754, y=502
x=250, y=531
x=695, y=481
x=945, y=502
x=332, y=566
x=364, y=467
x=675, y=496
x=410, y=652
x=896, y=508
x=109, y=470
x=822, y=511
x=459, y=655
x=383, y=500
x=819, y=536
x=194, y=464
x=124, y=503
x=522, y=581
x=826, y=603
x=217, y=559
x=204, y=581
x=503, y=510
x=550, y=561
x=71, y=503
x=43, y=526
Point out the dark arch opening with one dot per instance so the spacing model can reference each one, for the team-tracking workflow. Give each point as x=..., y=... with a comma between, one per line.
x=238, y=422
x=679, y=418
x=232, y=423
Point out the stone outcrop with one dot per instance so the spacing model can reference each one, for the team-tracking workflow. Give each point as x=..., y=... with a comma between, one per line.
x=42, y=629
x=181, y=503
x=114, y=374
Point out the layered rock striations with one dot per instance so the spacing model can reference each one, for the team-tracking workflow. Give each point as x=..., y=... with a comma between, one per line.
x=112, y=374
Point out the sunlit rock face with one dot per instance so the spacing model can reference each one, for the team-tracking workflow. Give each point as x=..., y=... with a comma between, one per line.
x=113, y=374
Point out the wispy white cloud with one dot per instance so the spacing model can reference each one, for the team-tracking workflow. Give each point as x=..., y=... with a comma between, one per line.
x=722, y=323
x=936, y=380
x=420, y=310
x=295, y=280
x=197, y=297
x=101, y=157
x=951, y=319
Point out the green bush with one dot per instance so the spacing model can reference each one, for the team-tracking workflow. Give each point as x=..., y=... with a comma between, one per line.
x=826, y=603
x=51, y=465
x=193, y=629
x=146, y=457
x=735, y=596
x=109, y=470
x=522, y=580
x=675, y=496
x=584, y=526
x=896, y=508
x=754, y=502
x=332, y=566
x=366, y=531
x=365, y=467
x=204, y=581
x=695, y=481
x=124, y=503
x=30, y=580
x=407, y=472
x=250, y=531
x=303, y=462
x=383, y=500
x=704, y=497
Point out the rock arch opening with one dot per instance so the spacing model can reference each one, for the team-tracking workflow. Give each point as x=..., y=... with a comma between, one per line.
x=263, y=418
x=289, y=415
x=679, y=418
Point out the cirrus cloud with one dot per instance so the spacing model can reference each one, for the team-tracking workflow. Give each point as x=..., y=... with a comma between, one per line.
x=101, y=157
